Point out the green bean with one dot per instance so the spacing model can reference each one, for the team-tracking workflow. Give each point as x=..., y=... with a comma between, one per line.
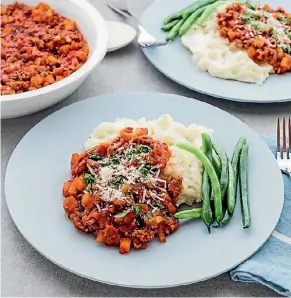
x=192, y=213
x=231, y=193
x=235, y=160
x=226, y=218
x=192, y=8
x=207, y=12
x=170, y=25
x=224, y=169
x=190, y=21
x=176, y=15
x=207, y=215
x=244, y=193
x=173, y=17
x=216, y=163
x=212, y=175
x=175, y=30
x=207, y=145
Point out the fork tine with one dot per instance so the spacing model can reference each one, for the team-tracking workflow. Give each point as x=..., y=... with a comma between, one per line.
x=154, y=44
x=284, y=135
x=278, y=135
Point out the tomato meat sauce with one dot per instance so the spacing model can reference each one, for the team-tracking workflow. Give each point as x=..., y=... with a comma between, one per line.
x=265, y=33
x=118, y=192
x=38, y=47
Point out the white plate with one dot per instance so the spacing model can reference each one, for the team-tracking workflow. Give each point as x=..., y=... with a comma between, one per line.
x=175, y=61
x=40, y=164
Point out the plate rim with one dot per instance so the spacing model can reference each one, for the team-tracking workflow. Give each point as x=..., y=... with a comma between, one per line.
x=101, y=97
x=243, y=100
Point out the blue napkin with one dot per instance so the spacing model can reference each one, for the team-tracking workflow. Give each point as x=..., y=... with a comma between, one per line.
x=271, y=265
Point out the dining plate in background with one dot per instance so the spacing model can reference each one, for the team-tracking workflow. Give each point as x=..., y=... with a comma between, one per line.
x=175, y=61
x=40, y=164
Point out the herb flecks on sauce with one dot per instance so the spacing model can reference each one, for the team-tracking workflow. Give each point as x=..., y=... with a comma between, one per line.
x=265, y=33
x=119, y=193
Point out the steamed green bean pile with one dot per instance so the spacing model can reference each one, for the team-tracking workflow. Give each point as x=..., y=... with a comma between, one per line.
x=178, y=23
x=221, y=177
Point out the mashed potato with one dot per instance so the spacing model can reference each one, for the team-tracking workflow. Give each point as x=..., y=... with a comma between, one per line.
x=164, y=129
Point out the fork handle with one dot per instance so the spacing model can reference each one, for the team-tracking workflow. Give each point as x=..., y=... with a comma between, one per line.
x=127, y=14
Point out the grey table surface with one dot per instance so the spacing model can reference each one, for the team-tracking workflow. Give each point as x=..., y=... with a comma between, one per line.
x=26, y=273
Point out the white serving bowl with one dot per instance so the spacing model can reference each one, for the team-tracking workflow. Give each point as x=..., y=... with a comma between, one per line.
x=92, y=25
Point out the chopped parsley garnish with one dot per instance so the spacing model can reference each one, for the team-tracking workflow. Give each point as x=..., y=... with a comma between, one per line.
x=250, y=5
x=284, y=20
x=128, y=152
x=95, y=157
x=286, y=48
x=88, y=178
x=111, y=162
x=158, y=205
x=257, y=27
x=149, y=215
x=122, y=214
x=136, y=209
x=288, y=33
x=89, y=187
x=136, y=158
x=248, y=17
x=145, y=170
x=142, y=149
x=114, y=160
x=275, y=32
x=117, y=180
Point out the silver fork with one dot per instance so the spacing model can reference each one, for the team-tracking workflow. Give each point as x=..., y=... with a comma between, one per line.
x=284, y=148
x=145, y=39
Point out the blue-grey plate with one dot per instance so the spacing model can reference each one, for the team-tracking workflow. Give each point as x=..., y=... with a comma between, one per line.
x=40, y=164
x=175, y=61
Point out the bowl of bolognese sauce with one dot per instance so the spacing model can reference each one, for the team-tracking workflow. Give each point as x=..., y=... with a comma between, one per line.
x=47, y=51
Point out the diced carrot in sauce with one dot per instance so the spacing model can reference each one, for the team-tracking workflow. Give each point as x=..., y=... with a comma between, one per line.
x=141, y=131
x=252, y=52
x=3, y=10
x=36, y=81
x=75, y=46
x=143, y=207
x=79, y=183
x=66, y=187
x=64, y=49
x=7, y=31
x=59, y=78
x=280, y=53
x=70, y=204
x=49, y=79
x=119, y=202
x=266, y=7
x=58, y=71
x=231, y=35
x=156, y=220
x=99, y=237
x=75, y=159
x=52, y=60
x=258, y=43
x=87, y=201
x=126, y=188
x=125, y=245
x=286, y=63
x=171, y=208
x=70, y=25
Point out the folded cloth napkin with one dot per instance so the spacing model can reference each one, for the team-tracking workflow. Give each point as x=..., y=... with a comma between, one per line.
x=271, y=265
